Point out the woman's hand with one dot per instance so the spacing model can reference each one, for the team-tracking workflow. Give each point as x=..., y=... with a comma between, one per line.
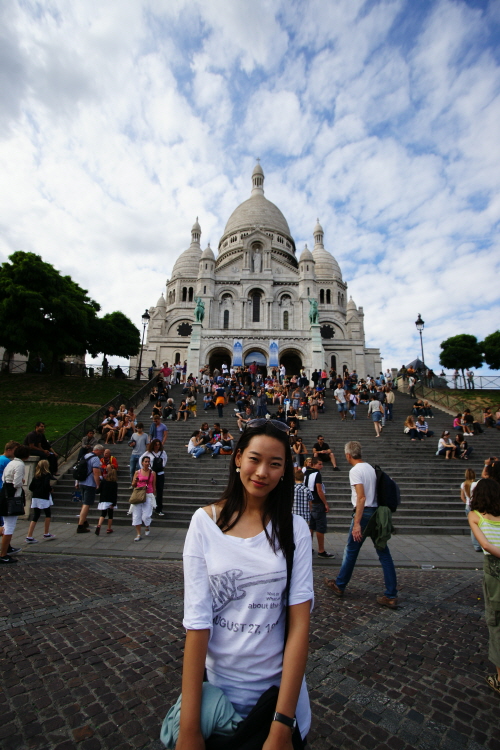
x=279, y=737
x=190, y=741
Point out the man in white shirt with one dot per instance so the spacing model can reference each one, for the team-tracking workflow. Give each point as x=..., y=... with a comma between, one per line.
x=363, y=481
x=340, y=398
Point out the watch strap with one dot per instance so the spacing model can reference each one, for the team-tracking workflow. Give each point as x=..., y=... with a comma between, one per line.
x=292, y=723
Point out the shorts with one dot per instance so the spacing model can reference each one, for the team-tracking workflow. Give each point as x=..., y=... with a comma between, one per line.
x=9, y=524
x=317, y=521
x=142, y=512
x=88, y=494
x=342, y=407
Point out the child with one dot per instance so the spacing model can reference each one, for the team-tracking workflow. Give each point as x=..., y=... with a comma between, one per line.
x=465, y=493
x=302, y=497
x=107, y=503
x=41, y=500
x=484, y=520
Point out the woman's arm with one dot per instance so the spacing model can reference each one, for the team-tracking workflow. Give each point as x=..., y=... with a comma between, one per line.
x=480, y=537
x=195, y=652
x=294, y=666
x=462, y=495
x=134, y=480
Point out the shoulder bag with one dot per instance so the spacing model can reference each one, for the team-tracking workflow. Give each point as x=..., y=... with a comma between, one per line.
x=138, y=495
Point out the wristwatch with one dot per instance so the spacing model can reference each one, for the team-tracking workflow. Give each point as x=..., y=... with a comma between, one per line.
x=292, y=723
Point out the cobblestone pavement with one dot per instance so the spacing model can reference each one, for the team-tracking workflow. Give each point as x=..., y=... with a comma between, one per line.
x=92, y=652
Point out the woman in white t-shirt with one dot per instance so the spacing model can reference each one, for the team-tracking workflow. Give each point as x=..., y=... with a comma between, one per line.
x=235, y=576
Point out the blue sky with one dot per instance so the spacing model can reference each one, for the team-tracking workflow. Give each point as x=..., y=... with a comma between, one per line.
x=120, y=122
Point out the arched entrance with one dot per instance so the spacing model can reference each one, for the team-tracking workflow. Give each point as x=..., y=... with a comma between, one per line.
x=218, y=357
x=292, y=361
x=259, y=358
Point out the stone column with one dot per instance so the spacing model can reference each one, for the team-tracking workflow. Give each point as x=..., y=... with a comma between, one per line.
x=193, y=357
x=29, y=473
x=317, y=351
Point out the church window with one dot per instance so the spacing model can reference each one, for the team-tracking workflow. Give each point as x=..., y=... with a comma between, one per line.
x=190, y=294
x=177, y=357
x=184, y=293
x=206, y=266
x=328, y=297
x=333, y=362
x=234, y=238
x=307, y=267
x=322, y=296
x=285, y=320
x=280, y=240
x=256, y=307
x=204, y=290
x=226, y=319
x=227, y=296
x=308, y=292
x=338, y=298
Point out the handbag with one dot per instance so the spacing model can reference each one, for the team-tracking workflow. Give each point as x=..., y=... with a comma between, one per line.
x=138, y=496
x=14, y=505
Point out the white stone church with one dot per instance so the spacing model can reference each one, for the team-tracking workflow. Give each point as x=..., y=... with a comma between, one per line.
x=256, y=301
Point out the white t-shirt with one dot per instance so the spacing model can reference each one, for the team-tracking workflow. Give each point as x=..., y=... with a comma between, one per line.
x=364, y=474
x=234, y=588
x=339, y=394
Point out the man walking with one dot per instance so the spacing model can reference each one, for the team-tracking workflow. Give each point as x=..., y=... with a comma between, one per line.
x=90, y=485
x=363, y=481
x=319, y=506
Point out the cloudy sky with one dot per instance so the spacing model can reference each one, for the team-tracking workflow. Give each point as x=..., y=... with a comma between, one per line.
x=121, y=121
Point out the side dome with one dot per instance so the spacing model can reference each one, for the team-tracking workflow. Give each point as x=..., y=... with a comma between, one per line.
x=326, y=265
x=306, y=254
x=187, y=263
x=161, y=302
x=208, y=253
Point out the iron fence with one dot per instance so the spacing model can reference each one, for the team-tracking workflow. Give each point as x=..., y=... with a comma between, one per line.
x=479, y=382
x=450, y=400
x=66, y=444
x=76, y=369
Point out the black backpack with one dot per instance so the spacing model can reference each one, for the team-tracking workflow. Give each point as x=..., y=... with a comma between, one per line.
x=81, y=470
x=388, y=492
x=157, y=464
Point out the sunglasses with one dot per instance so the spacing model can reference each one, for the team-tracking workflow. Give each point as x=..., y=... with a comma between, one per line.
x=275, y=422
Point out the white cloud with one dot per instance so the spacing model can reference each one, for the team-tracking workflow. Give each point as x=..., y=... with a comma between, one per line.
x=123, y=121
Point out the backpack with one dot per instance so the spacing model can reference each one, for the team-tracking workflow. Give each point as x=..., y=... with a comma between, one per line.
x=157, y=464
x=81, y=470
x=388, y=492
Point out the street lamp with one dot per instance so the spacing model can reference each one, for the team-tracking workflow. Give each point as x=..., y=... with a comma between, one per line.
x=420, y=327
x=145, y=320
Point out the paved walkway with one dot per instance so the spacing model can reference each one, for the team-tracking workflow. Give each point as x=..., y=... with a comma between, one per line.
x=167, y=544
x=91, y=656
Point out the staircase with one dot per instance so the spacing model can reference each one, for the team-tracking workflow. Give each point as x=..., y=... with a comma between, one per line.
x=430, y=485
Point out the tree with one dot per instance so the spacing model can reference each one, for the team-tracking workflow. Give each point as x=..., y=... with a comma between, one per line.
x=42, y=311
x=491, y=349
x=461, y=352
x=116, y=335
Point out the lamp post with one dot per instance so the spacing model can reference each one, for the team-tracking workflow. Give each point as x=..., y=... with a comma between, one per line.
x=420, y=327
x=145, y=321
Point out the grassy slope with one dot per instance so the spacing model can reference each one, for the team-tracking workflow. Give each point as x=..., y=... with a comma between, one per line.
x=59, y=402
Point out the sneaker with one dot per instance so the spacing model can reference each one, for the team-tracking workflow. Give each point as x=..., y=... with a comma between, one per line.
x=49, y=536
x=82, y=530
x=147, y=533
x=336, y=468
x=325, y=554
x=97, y=530
x=385, y=601
x=137, y=539
x=31, y=540
x=13, y=550
x=7, y=560
x=333, y=586
x=160, y=513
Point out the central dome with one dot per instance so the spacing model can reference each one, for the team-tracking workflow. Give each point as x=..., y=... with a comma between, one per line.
x=257, y=211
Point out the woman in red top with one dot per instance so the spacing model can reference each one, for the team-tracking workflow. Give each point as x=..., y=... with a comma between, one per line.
x=142, y=512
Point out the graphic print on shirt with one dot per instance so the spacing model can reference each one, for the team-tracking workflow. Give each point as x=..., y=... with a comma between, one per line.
x=230, y=586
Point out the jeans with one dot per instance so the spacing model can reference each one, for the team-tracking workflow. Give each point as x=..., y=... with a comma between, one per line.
x=199, y=451
x=351, y=552
x=388, y=409
x=160, y=482
x=134, y=464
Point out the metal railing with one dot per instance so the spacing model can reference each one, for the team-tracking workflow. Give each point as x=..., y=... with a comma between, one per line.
x=450, y=400
x=66, y=444
x=480, y=382
x=75, y=369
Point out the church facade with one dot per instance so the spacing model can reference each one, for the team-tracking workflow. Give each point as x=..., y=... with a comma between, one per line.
x=258, y=301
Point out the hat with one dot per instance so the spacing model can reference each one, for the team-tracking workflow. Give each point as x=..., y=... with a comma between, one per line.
x=446, y=432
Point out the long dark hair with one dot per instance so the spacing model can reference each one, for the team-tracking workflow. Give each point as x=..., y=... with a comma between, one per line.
x=278, y=506
x=486, y=497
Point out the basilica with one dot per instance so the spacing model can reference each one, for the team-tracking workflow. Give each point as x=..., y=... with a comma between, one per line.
x=258, y=300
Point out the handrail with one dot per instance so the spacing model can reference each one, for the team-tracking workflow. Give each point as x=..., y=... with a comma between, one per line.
x=66, y=444
x=445, y=397
x=74, y=369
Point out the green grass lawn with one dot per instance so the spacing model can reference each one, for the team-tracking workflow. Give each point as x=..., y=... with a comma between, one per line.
x=59, y=402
